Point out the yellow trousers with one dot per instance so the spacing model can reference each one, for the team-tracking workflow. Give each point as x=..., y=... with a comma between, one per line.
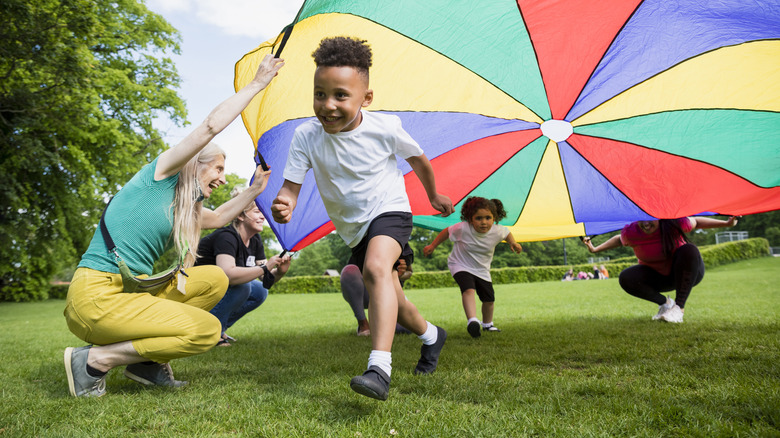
x=161, y=327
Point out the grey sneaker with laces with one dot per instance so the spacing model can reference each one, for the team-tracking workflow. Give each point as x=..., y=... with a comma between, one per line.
x=159, y=374
x=80, y=383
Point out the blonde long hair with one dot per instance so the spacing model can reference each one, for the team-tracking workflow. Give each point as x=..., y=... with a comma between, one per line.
x=233, y=193
x=186, y=206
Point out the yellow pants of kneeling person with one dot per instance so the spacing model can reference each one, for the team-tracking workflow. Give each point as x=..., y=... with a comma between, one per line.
x=161, y=327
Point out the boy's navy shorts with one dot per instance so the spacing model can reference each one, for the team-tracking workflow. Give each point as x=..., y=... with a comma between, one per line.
x=467, y=280
x=396, y=224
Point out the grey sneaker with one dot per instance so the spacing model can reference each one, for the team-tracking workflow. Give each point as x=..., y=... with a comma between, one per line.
x=373, y=383
x=159, y=374
x=80, y=383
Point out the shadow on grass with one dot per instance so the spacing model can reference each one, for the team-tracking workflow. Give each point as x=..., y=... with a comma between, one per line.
x=287, y=362
x=536, y=373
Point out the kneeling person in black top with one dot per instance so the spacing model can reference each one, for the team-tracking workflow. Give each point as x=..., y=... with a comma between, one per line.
x=238, y=249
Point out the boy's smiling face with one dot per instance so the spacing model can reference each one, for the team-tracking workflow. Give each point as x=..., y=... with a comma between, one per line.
x=339, y=94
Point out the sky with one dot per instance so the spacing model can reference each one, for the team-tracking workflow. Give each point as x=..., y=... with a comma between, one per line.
x=215, y=35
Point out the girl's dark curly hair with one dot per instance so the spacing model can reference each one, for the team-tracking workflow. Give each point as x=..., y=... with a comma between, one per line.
x=343, y=52
x=474, y=203
x=670, y=231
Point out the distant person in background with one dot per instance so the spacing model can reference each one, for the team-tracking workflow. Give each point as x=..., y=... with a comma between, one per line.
x=354, y=292
x=568, y=276
x=667, y=261
x=238, y=249
x=604, y=274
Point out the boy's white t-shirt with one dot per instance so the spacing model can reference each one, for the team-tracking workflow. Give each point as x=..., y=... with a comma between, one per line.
x=356, y=171
x=472, y=251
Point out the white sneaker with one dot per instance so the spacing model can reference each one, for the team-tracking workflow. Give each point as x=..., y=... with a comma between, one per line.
x=663, y=308
x=675, y=314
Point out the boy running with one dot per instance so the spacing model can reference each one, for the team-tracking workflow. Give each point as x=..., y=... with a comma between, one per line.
x=353, y=155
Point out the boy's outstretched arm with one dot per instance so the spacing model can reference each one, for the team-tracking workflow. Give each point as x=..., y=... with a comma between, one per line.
x=443, y=235
x=285, y=202
x=424, y=171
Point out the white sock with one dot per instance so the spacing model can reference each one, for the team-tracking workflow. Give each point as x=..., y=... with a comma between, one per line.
x=431, y=334
x=473, y=319
x=381, y=359
x=487, y=324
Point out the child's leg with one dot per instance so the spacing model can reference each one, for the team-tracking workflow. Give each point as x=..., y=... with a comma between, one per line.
x=487, y=312
x=354, y=292
x=470, y=303
x=487, y=296
x=408, y=315
x=380, y=281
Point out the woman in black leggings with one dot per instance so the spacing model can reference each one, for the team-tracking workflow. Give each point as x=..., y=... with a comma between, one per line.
x=667, y=261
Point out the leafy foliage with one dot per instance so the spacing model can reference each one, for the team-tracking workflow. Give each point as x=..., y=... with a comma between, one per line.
x=713, y=255
x=82, y=82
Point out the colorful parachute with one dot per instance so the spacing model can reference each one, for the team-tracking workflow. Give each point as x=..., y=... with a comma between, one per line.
x=580, y=115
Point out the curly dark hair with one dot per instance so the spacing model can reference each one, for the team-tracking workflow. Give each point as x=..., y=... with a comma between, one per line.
x=474, y=203
x=343, y=52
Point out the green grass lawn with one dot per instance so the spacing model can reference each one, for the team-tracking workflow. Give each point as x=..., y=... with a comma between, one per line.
x=574, y=359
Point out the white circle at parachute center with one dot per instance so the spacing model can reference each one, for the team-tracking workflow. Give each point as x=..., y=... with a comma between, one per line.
x=557, y=130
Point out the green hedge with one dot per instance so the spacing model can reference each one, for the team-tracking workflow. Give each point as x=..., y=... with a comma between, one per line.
x=730, y=252
x=58, y=291
x=307, y=285
x=713, y=255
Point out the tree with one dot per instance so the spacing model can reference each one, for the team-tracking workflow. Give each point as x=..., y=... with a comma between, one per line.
x=82, y=81
x=761, y=225
x=421, y=237
x=316, y=258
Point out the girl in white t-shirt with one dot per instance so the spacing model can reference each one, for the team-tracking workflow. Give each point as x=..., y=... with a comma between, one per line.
x=474, y=241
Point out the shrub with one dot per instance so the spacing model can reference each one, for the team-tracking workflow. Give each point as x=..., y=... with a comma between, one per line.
x=713, y=255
